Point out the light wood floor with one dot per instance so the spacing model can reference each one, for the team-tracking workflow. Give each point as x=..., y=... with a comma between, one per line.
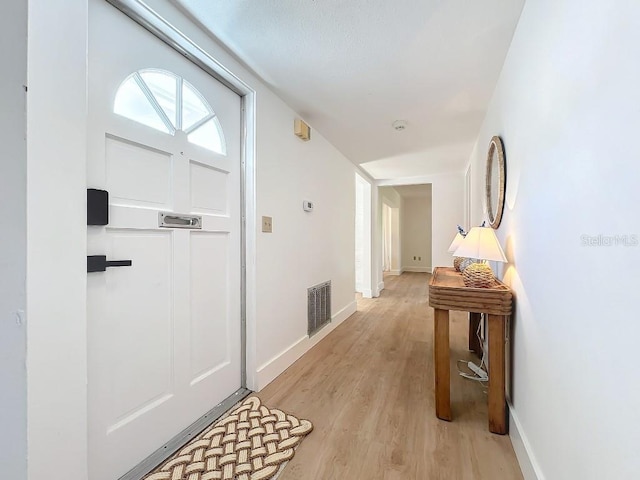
x=368, y=389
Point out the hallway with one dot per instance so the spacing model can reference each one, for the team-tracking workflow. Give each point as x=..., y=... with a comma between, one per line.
x=368, y=389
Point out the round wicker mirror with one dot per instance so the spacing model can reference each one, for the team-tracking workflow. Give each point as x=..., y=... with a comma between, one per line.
x=495, y=182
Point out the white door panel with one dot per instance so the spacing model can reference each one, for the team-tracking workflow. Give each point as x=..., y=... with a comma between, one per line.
x=164, y=334
x=126, y=163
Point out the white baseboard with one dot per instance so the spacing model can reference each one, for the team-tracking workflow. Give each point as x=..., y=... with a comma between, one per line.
x=528, y=464
x=366, y=293
x=417, y=269
x=380, y=288
x=278, y=364
x=395, y=272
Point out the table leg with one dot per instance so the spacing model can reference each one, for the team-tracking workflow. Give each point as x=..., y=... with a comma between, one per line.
x=497, y=400
x=441, y=361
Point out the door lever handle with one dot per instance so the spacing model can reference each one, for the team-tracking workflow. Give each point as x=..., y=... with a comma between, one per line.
x=99, y=263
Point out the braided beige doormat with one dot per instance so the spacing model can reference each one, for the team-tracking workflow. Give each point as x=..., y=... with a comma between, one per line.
x=252, y=443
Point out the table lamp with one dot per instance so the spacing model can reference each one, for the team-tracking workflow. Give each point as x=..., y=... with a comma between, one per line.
x=457, y=261
x=456, y=243
x=480, y=243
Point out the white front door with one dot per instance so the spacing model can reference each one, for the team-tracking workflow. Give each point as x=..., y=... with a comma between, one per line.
x=164, y=334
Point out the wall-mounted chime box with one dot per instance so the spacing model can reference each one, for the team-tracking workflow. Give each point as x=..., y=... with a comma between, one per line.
x=301, y=130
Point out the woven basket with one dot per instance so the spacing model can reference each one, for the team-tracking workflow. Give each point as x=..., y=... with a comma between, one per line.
x=478, y=275
x=456, y=263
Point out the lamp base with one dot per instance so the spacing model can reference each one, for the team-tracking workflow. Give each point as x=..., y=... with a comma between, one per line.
x=478, y=275
x=468, y=261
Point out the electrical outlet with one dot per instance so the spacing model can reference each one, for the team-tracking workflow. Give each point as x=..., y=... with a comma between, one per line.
x=414, y=257
x=419, y=259
x=267, y=225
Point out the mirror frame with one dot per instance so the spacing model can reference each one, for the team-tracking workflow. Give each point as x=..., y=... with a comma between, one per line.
x=495, y=146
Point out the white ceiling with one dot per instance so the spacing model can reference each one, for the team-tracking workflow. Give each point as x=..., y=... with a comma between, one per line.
x=350, y=68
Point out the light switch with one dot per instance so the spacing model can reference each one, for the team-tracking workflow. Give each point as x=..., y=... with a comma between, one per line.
x=267, y=226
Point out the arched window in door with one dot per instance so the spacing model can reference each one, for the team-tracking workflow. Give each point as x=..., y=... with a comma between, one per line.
x=166, y=102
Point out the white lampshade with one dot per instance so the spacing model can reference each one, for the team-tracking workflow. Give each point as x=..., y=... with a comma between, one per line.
x=481, y=243
x=456, y=243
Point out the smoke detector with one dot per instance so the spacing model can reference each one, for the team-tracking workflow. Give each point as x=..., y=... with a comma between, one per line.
x=399, y=125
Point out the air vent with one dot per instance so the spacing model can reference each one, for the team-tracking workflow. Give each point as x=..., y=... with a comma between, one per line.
x=319, y=306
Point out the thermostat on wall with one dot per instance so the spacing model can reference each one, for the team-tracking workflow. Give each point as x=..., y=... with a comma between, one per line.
x=307, y=206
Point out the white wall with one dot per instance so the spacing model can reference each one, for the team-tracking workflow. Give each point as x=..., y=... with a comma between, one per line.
x=305, y=248
x=13, y=254
x=447, y=197
x=416, y=234
x=390, y=196
x=566, y=106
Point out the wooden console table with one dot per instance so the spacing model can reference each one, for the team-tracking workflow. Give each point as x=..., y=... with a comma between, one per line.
x=448, y=292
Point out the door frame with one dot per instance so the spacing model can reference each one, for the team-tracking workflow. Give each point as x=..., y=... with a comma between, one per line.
x=365, y=200
x=142, y=14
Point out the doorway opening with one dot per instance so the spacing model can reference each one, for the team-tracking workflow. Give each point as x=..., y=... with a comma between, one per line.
x=363, y=237
x=406, y=229
x=416, y=228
